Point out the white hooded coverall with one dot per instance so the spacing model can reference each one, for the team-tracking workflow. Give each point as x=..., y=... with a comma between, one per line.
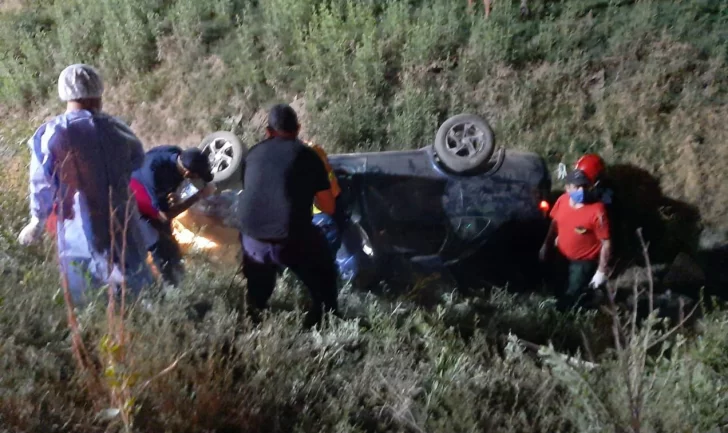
x=80, y=169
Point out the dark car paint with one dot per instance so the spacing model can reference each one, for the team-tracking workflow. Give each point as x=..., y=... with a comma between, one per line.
x=400, y=212
x=414, y=210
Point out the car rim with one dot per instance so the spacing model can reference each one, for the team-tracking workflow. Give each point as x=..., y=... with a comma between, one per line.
x=220, y=153
x=464, y=140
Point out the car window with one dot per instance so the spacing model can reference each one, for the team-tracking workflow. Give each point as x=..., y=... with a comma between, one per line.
x=406, y=213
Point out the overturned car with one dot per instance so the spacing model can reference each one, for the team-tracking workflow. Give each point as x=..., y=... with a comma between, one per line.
x=460, y=206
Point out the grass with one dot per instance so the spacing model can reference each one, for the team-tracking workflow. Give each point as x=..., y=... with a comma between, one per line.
x=644, y=83
x=389, y=368
x=407, y=370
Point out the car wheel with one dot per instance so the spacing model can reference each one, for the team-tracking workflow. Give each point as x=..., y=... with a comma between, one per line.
x=226, y=153
x=464, y=143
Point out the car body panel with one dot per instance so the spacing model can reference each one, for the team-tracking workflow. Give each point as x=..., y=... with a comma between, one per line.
x=399, y=210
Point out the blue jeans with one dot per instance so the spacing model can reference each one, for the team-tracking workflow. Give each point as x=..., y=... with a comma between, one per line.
x=330, y=228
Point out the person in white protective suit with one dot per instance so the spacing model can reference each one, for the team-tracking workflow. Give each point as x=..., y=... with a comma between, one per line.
x=81, y=164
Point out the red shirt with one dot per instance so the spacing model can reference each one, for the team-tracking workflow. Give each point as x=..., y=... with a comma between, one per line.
x=143, y=199
x=580, y=230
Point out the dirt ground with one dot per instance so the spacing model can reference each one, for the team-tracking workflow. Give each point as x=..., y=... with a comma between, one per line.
x=11, y=5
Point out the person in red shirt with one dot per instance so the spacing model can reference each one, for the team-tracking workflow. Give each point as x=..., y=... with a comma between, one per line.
x=580, y=231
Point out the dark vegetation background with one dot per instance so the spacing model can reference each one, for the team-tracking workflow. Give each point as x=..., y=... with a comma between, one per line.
x=644, y=83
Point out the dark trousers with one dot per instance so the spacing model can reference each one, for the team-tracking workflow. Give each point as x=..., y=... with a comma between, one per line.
x=167, y=254
x=307, y=255
x=569, y=279
x=580, y=275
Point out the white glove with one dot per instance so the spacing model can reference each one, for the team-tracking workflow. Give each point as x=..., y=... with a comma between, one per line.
x=598, y=280
x=116, y=277
x=562, y=171
x=31, y=232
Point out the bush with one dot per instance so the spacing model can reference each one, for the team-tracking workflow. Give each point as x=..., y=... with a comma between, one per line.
x=26, y=56
x=643, y=83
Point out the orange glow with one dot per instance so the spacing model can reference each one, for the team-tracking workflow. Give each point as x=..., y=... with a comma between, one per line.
x=544, y=206
x=188, y=239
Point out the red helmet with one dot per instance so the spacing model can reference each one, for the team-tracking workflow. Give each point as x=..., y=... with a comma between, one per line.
x=592, y=165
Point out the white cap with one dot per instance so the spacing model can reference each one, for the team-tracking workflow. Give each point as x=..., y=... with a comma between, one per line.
x=80, y=81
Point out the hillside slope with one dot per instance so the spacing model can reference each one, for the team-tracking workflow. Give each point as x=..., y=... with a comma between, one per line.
x=641, y=82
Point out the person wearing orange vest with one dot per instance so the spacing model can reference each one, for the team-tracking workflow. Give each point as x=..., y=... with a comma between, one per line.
x=335, y=189
x=321, y=219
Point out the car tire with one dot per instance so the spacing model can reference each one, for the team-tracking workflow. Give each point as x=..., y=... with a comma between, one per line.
x=226, y=153
x=464, y=143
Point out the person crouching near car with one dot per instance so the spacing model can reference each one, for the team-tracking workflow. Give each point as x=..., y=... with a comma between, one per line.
x=580, y=230
x=282, y=179
x=154, y=185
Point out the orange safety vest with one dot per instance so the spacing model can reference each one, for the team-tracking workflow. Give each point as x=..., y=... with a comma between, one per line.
x=335, y=189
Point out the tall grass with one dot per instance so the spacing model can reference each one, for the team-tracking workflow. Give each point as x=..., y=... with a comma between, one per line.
x=643, y=83
x=407, y=369
x=389, y=368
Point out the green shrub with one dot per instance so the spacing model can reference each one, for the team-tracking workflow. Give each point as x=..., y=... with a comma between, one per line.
x=128, y=39
x=80, y=31
x=643, y=83
x=26, y=57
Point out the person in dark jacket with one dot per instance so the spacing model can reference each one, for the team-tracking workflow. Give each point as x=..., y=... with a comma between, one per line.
x=154, y=185
x=282, y=180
